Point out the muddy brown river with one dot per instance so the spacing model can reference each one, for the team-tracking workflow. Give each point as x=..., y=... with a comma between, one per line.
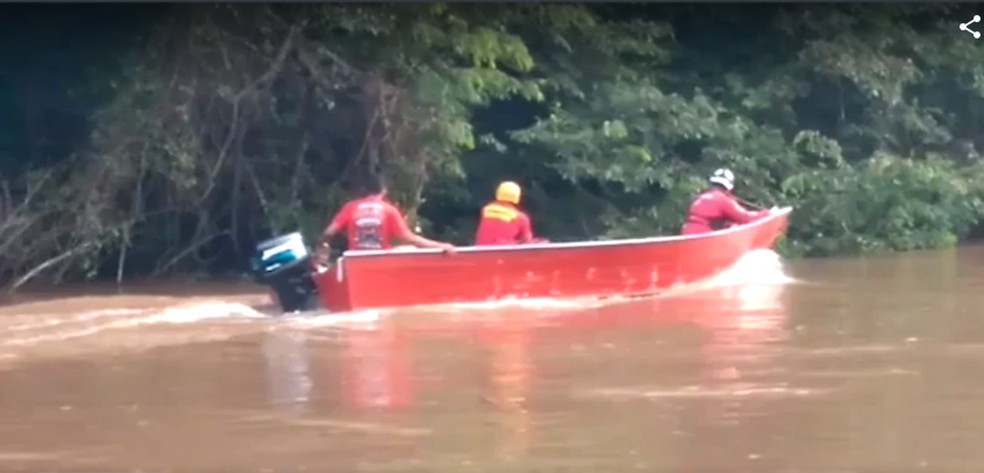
x=839, y=365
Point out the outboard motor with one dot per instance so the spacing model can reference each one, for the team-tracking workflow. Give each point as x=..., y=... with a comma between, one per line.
x=284, y=264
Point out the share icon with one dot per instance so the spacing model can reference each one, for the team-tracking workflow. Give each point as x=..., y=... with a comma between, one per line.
x=966, y=27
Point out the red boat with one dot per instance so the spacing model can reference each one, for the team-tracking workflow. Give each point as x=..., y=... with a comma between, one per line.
x=630, y=267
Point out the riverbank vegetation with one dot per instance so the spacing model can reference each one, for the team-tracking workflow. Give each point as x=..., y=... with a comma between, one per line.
x=151, y=140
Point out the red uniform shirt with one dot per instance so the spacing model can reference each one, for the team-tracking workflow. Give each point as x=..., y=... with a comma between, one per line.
x=715, y=208
x=370, y=223
x=503, y=224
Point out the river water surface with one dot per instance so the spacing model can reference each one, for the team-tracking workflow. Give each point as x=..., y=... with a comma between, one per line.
x=849, y=365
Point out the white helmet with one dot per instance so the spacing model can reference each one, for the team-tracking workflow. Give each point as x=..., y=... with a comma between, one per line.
x=723, y=177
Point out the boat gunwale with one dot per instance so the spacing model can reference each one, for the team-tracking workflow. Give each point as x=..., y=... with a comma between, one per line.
x=360, y=254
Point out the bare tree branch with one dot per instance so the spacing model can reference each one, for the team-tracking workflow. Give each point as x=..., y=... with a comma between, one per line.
x=275, y=68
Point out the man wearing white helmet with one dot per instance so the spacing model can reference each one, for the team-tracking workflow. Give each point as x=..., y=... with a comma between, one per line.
x=716, y=207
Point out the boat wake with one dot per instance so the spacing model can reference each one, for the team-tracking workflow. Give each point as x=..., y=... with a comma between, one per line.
x=327, y=319
x=699, y=392
x=91, y=323
x=759, y=267
x=56, y=327
x=544, y=303
x=47, y=327
x=73, y=326
x=760, y=271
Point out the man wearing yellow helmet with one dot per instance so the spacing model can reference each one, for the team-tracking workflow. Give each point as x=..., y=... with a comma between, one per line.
x=502, y=222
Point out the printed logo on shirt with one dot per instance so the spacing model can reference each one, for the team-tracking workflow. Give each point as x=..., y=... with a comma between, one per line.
x=368, y=219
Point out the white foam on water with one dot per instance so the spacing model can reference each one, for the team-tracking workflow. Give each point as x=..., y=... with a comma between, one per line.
x=196, y=312
x=698, y=392
x=327, y=319
x=758, y=270
x=338, y=424
x=540, y=303
x=857, y=373
x=94, y=322
x=762, y=267
x=51, y=320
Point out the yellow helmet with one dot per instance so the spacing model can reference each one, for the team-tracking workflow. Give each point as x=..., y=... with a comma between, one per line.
x=508, y=191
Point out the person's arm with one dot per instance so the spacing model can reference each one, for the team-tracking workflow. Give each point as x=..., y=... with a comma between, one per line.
x=329, y=233
x=734, y=212
x=323, y=248
x=525, y=229
x=402, y=231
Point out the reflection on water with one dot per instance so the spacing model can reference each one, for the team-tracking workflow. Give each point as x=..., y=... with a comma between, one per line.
x=744, y=333
x=376, y=368
x=856, y=365
x=510, y=374
x=288, y=368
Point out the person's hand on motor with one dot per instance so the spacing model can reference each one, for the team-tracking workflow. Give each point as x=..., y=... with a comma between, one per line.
x=322, y=255
x=447, y=249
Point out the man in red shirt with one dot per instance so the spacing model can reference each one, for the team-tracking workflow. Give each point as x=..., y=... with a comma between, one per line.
x=502, y=222
x=371, y=223
x=717, y=208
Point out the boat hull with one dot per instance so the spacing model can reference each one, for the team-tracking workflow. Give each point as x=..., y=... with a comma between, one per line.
x=383, y=279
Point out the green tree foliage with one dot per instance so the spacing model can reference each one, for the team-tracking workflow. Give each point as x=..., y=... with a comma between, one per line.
x=211, y=126
x=850, y=114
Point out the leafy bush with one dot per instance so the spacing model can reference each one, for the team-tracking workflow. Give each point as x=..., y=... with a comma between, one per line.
x=886, y=203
